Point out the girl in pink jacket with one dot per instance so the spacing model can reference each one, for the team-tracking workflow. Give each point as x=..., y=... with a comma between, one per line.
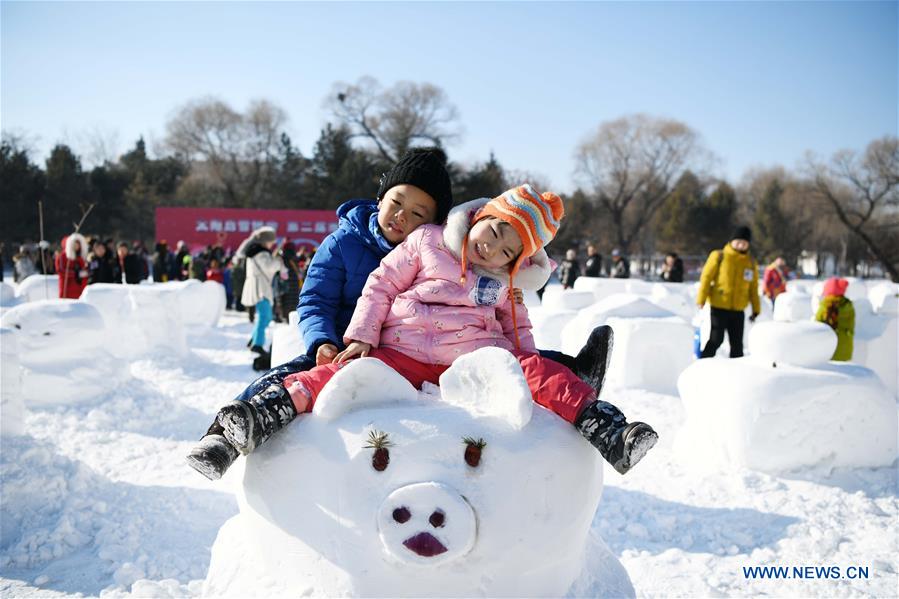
x=445, y=292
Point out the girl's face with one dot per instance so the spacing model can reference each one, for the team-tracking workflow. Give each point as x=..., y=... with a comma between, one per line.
x=493, y=244
x=402, y=209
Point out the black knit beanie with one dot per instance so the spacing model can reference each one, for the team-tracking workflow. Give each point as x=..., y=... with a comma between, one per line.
x=742, y=232
x=424, y=168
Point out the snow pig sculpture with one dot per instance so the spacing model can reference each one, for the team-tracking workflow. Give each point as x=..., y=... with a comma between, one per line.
x=323, y=513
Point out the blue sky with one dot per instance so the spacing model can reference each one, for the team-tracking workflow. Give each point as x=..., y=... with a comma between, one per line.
x=762, y=82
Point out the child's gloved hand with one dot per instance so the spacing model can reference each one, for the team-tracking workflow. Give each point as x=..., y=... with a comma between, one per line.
x=354, y=349
x=325, y=353
x=517, y=295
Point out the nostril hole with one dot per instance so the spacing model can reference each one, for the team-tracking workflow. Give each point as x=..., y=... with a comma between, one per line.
x=437, y=519
x=401, y=515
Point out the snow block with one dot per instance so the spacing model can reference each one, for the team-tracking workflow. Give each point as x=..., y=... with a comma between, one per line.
x=546, y=326
x=676, y=298
x=38, y=287
x=748, y=413
x=317, y=519
x=147, y=319
x=600, y=287
x=807, y=343
x=62, y=347
x=623, y=305
x=202, y=303
x=793, y=306
x=556, y=298
x=885, y=298
x=12, y=407
x=650, y=353
x=876, y=344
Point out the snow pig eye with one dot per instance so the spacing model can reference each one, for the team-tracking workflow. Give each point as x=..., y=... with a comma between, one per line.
x=380, y=457
x=473, y=450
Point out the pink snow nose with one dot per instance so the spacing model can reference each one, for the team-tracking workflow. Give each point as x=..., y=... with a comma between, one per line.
x=426, y=523
x=425, y=544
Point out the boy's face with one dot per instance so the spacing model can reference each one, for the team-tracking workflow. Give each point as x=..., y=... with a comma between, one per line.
x=741, y=245
x=493, y=244
x=402, y=209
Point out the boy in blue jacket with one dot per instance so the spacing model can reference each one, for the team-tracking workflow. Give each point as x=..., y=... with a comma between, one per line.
x=416, y=191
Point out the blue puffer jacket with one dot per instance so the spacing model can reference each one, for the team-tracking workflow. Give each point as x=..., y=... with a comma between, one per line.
x=338, y=272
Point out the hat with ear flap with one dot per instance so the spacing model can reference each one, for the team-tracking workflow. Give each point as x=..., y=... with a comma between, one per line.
x=534, y=216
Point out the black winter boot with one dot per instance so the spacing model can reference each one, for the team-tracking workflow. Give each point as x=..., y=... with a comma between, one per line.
x=249, y=424
x=212, y=456
x=592, y=361
x=621, y=444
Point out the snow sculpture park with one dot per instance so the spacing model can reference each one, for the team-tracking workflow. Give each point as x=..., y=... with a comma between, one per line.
x=778, y=458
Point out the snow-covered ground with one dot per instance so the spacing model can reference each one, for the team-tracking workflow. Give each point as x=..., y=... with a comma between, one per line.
x=97, y=499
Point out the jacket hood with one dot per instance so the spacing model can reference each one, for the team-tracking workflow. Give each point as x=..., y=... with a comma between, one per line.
x=361, y=218
x=253, y=248
x=68, y=243
x=533, y=273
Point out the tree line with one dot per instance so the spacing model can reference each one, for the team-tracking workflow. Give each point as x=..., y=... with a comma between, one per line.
x=643, y=183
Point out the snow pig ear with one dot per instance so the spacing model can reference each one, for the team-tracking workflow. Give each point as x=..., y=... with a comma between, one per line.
x=362, y=383
x=489, y=383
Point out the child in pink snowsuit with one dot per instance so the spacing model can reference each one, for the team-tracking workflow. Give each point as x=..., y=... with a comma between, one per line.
x=444, y=292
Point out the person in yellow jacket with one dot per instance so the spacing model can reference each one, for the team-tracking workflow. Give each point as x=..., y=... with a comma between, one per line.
x=729, y=281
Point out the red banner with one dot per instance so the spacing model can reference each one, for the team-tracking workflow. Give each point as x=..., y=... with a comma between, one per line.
x=199, y=227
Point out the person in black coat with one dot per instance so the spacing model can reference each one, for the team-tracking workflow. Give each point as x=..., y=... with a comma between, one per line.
x=593, y=265
x=100, y=268
x=673, y=269
x=127, y=264
x=569, y=270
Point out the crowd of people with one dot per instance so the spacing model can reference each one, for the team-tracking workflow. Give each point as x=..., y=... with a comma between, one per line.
x=80, y=261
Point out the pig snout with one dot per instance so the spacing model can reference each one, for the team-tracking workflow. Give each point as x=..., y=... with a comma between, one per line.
x=426, y=523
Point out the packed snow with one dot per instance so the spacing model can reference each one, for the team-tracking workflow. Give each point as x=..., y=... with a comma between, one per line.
x=757, y=465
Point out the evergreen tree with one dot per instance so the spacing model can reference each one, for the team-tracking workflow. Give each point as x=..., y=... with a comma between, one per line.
x=770, y=226
x=485, y=180
x=21, y=187
x=67, y=191
x=338, y=172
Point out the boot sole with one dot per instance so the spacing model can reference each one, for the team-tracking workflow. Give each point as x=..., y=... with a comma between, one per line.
x=238, y=433
x=204, y=467
x=635, y=449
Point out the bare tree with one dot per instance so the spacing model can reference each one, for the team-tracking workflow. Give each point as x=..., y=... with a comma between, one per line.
x=863, y=192
x=237, y=148
x=629, y=166
x=396, y=118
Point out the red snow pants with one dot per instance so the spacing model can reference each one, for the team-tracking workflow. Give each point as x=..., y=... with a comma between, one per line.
x=552, y=385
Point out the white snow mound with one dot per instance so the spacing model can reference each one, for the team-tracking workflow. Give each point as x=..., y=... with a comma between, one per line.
x=805, y=343
x=793, y=306
x=62, y=345
x=317, y=518
x=38, y=287
x=147, y=319
x=746, y=413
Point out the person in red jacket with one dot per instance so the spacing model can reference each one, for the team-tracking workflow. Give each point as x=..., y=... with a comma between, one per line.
x=775, y=279
x=71, y=265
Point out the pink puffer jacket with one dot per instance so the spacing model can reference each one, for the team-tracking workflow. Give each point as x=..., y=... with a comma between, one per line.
x=416, y=303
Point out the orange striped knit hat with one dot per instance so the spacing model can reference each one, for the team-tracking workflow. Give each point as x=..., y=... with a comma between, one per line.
x=534, y=216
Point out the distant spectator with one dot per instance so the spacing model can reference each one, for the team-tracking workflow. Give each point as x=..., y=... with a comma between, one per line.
x=775, y=280
x=593, y=265
x=838, y=312
x=238, y=277
x=569, y=269
x=290, y=287
x=197, y=269
x=178, y=271
x=45, y=263
x=214, y=272
x=162, y=262
x=127, y=266
x=621, y=266
x=227, y=282
x=262, y=265
x=673, y=269
x=23, y=264
x=99, y=267
x=71, y=265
